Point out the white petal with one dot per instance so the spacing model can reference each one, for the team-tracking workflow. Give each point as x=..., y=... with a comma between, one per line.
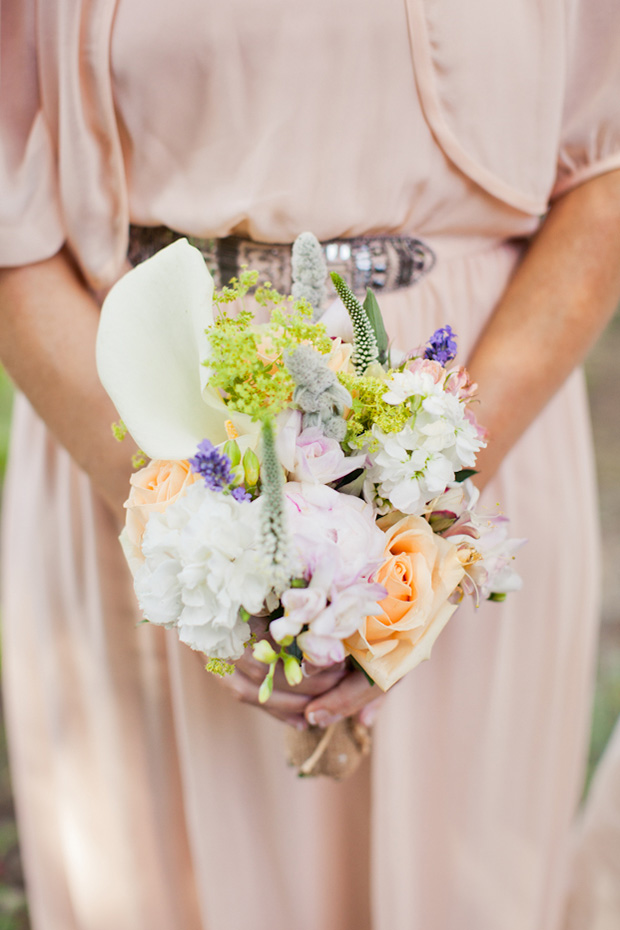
x=150, y=346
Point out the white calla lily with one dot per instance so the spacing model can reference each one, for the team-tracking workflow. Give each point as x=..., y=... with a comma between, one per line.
x=150, y=348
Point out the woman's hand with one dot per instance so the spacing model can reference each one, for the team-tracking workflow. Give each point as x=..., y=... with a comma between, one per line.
x=322, y=698
x=352, y=695
x=286, y=702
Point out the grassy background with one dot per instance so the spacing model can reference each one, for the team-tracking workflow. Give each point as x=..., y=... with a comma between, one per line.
x=603, y=385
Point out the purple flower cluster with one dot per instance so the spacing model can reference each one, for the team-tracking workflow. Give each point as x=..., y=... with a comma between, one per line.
x=214, y=466
x=441, y=346
x=240, y=494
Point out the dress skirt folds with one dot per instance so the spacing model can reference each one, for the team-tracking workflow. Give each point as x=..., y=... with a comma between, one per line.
x=147, y=798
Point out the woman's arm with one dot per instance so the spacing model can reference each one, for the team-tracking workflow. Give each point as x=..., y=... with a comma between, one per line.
x=557, y=304
x=48, y=327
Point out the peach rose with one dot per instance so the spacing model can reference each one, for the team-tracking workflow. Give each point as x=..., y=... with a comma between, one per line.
x=152, y=488
x=420, y=572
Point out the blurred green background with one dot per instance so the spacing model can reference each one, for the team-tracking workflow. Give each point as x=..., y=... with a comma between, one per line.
x=604, y=389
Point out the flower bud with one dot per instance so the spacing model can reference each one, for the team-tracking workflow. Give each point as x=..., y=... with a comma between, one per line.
x=265, y=690
x=238, y=475
x=292, y=670
x=231, y=449
x=263, y=652
x=251, y=468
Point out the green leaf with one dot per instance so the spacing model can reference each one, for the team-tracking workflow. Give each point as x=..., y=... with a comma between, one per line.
x=375, y=317
x=464, y=474
x=294, y=650
x=356, y=665
x=276, y=613
x=497, y=596
x=347, y=479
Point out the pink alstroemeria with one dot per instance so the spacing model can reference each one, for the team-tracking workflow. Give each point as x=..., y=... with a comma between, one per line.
x=460, y=384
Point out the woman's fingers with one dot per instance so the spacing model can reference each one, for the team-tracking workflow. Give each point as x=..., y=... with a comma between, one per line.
x=347, y=698
x=321, y=679
x=285, y=706
x=368, y=713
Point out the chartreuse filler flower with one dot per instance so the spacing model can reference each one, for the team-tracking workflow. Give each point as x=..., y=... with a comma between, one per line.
x=294, y=477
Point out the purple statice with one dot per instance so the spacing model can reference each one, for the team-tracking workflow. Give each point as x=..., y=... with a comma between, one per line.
x=240, y=494
x=441, y=347
x=214, y=466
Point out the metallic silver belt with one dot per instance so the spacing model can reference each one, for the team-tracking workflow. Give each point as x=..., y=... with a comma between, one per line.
x=384, y=263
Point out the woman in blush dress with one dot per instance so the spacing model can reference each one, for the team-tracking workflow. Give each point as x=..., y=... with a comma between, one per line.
x=147, y=798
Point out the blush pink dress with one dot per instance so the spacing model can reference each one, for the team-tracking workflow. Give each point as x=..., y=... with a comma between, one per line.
x=147, y=798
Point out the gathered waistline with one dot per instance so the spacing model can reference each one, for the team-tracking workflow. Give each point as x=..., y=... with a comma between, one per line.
x=383, y=263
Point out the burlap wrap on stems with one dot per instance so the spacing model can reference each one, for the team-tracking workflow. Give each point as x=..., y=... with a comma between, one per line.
x=335, y=751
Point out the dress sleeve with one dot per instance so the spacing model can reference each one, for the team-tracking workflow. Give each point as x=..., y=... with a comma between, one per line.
x=31, y=227
x=590, y=140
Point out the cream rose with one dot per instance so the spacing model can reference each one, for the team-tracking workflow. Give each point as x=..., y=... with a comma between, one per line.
x=339, y=359
x=153, y=488
x=420, y=572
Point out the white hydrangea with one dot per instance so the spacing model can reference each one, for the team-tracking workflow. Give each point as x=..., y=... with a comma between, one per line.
x=202, y=564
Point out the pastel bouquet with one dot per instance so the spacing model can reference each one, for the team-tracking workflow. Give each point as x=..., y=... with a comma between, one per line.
x=309, y=481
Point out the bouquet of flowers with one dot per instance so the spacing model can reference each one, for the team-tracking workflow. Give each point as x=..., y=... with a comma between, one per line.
x=310, y=481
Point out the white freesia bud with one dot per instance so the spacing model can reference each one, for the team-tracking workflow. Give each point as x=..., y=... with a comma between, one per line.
x=263, y=652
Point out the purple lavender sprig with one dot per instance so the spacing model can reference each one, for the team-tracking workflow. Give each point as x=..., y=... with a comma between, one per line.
x=441, y=347
x=214, y=466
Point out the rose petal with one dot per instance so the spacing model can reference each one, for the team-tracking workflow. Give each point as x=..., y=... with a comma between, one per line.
x=150, y=346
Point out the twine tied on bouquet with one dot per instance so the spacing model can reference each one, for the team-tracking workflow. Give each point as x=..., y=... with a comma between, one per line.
x=335, y=751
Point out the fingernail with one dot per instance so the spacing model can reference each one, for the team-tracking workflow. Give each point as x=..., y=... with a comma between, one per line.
x=368, y=715
x=322, y=718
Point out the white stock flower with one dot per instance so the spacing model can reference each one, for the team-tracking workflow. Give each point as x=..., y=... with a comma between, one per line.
x=442, y=419
x=413, y=465
x=403, y=385
x=405, y=473
x=201, y=565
